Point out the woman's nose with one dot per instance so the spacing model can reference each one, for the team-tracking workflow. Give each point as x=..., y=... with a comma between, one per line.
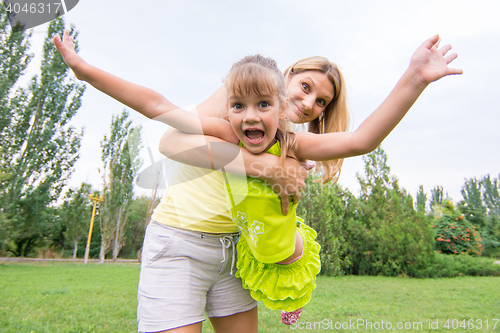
x=308, y=102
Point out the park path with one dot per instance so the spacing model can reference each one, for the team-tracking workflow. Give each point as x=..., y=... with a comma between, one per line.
x=67, y=260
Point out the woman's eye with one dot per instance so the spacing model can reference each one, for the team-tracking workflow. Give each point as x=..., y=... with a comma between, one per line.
x=321, y=102
x=263, y=104
x=305, y=86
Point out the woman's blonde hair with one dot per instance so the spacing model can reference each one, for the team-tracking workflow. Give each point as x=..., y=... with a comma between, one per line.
x=335, y=117
x=261, y=76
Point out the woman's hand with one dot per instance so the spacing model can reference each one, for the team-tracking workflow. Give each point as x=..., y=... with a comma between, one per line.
x=430, y=63
x=67, y=49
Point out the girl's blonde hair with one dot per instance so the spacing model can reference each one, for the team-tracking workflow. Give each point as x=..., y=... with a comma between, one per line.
x=335, y=117
x=261, y=76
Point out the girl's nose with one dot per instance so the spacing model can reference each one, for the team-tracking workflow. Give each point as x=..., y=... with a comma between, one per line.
x=251, y=115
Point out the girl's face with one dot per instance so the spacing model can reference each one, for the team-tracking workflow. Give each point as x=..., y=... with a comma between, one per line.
x=308, y=95
x=255, y=119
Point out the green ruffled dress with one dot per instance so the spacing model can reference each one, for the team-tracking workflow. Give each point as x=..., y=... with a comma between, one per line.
x=269, y=237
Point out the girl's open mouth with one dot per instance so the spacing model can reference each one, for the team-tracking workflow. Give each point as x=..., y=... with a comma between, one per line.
x=254, y=136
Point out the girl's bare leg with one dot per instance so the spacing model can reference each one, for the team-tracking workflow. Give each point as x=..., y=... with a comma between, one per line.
x=299, y=248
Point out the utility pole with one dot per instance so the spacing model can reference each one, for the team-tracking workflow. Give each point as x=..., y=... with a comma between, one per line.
x=95, y=198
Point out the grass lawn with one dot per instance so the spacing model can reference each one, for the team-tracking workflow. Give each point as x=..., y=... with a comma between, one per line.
x=72, y=297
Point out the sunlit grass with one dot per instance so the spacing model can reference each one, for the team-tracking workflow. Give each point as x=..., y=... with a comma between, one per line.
x=71, y=297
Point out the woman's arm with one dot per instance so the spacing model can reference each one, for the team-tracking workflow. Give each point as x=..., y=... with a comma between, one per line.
x=428, y=64
x=213, y=153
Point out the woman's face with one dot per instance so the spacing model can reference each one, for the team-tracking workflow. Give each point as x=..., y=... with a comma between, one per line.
x=308, y=95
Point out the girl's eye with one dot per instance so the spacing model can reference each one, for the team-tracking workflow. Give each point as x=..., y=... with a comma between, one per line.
x=263, y=104
x=305, y=86
x=237, y=106
x=321, y=102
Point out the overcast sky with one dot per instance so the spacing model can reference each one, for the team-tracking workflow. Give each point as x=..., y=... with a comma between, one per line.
x=183, y=49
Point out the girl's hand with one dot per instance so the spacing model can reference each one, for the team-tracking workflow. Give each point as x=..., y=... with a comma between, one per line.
x=67, y=50
x=430, y=63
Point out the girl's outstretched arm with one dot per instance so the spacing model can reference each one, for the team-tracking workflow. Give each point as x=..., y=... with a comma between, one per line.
x=154, y=106
x=429, y=63
x=144, y=100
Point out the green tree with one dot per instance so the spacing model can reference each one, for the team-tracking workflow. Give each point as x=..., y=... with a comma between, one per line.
x=492, y=225
x=138, y=219
x=385, y=235
x=491, y=195
x=421, y=200
x=323, y=208
x=14, y=58
x=437, y=196
x=491, y=230
x=472, y=205
x=76, y=212
x=120, y=155
x=40, y=146
x=481, y=206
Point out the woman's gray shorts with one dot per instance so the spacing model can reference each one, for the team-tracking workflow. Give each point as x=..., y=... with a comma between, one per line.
x=185, y=274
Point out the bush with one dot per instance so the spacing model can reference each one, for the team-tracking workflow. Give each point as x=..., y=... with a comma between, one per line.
x=456, y=235
x=491, y=237
x=461, y=264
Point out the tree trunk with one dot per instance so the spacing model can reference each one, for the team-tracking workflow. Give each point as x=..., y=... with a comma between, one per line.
x=102, y=253
x=116, y=248
x=75, y=249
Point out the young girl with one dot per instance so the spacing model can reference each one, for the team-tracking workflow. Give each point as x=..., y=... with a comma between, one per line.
x=278, y=260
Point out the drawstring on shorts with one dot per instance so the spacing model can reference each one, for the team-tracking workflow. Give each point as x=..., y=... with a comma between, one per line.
x=226, y=242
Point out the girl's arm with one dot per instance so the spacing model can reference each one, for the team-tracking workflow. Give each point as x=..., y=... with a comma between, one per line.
x=209, y=152
x=428, y=64
x=144, y=100
x=154, y=106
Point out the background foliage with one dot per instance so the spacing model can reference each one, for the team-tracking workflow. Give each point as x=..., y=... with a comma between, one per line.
x=380, y=231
